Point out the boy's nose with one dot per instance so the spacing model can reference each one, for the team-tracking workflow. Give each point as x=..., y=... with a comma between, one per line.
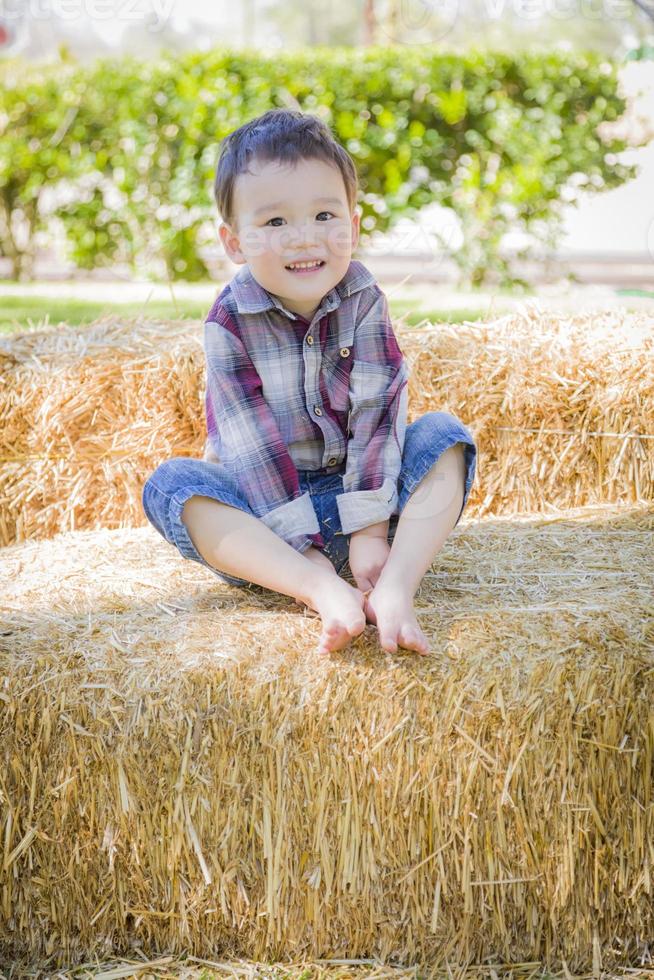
x=305, y=235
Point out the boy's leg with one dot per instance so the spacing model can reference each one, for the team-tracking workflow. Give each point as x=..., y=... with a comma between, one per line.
x=241, y=545
x=427, y=519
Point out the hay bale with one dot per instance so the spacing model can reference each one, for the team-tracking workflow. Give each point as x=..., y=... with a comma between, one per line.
x=85, y=416
x=561, y=405
x=183, y=773
x=195, y=968
x=561, y=408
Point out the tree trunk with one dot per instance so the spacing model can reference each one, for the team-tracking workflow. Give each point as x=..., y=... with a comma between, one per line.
x=22, y=259
x=248, y=22
x=9, y=248
x=369, y=23
x=393, y=21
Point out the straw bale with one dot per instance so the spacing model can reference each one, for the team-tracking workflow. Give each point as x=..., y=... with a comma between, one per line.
x=86, y=415
x=560, y=405
x=184, y=774
x=195, y=968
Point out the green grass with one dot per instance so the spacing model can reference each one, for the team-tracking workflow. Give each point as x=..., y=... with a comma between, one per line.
x=635, y=292
x=438, y=316
x=22, y=313
x=19, y=313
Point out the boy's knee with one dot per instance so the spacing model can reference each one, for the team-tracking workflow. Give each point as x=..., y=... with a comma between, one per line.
x=458, y=455
x=458, y=450
x=451, y=458
x=195, y=509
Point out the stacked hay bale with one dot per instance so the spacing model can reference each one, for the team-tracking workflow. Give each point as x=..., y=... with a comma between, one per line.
x=560, y=406
x=183, y=773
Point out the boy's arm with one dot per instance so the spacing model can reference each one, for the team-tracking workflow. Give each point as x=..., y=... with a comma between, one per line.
x=243, y=434
x=378, y=413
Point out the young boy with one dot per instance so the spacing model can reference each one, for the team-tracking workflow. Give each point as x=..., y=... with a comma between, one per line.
x=306, y=405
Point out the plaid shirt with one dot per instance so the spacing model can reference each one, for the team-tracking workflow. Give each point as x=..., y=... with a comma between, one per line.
x=286, y=394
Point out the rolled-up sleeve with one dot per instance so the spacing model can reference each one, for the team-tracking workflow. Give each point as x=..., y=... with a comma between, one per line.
x=242, y=434
x=378, y=415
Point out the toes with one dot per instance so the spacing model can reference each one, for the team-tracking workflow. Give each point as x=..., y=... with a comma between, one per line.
x=388, y=644
x=422, y=643
x=334, y=638
x=327, y=645
x=413, y=639
x=407, y=636
x=370, y=614
x=357, y=627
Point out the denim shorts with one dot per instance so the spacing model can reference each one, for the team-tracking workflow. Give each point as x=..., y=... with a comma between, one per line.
x=177, y=479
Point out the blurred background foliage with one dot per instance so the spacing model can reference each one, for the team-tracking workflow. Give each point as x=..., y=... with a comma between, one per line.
x=122, y=152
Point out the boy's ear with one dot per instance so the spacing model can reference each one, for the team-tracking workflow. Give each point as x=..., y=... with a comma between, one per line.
x=231, y=244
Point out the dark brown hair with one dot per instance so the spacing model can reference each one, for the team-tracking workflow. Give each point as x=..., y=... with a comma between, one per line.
x=284, y=135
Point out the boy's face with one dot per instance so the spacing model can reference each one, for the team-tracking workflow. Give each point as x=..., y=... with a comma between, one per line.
x=288, y=213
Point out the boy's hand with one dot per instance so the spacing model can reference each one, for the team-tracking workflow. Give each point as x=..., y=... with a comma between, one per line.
x=368, y=555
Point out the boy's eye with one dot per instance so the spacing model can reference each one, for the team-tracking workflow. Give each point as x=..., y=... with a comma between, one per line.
x=281, y=219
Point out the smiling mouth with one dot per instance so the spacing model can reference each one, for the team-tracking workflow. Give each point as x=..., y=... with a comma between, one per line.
x=305, y=267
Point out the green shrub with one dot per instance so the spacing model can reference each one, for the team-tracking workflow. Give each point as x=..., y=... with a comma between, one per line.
x=494, y=137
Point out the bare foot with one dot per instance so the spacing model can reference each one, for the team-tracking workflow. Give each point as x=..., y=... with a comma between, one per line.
x=368, y=610
x=391, y=610
x=319, y=558
x=340, y=606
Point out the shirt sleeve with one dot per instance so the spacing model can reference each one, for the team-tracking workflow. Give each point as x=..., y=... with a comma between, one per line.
x=209, y=455
x=243, y=435
x=377, y=425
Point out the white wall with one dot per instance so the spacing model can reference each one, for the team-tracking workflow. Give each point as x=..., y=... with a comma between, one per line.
x=622, y=219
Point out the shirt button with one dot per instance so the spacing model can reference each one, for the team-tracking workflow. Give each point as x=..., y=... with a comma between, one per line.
x=332, y=461
x=317, y=409
x=345, y=351
x=309, y=340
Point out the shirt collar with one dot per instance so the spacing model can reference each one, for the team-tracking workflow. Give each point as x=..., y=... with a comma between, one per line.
x=251, y=297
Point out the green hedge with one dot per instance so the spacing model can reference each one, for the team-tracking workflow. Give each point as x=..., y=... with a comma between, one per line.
x=494, y=137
